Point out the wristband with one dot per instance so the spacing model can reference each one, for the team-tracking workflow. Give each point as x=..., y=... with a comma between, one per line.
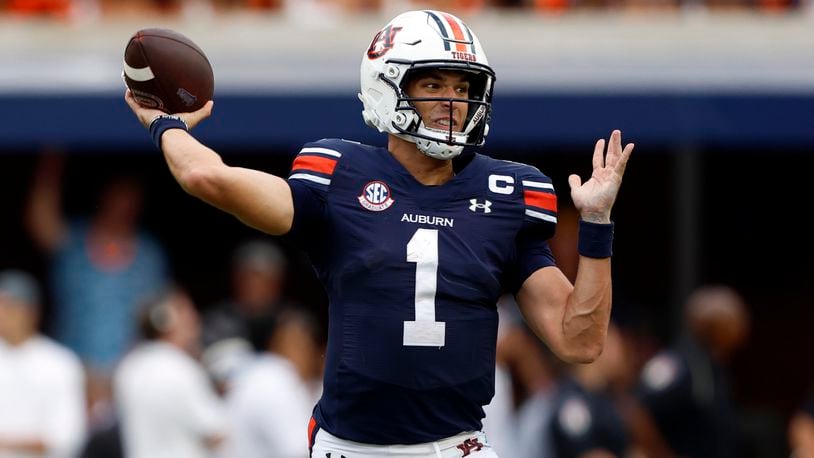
x=595, y=240
x=162, y=123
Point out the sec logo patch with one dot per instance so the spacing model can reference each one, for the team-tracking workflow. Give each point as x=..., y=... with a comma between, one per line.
x=376, y=196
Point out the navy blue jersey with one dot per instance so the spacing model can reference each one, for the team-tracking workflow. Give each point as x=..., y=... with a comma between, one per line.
x=412, y=274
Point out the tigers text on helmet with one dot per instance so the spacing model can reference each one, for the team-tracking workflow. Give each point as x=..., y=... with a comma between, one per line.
x=419, y=41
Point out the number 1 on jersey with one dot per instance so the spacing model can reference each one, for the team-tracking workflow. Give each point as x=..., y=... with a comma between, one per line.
x=422, y=249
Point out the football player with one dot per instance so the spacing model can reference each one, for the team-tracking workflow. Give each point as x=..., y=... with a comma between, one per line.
x=415, y=241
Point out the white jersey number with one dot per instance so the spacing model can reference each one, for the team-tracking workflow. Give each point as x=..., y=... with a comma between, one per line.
x=422, y=249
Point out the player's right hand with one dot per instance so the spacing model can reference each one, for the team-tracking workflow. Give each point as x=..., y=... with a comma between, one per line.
x=146, y=115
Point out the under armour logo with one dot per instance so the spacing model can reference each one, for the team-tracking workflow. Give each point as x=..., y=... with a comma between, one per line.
x=470, y=444
x=480, y=206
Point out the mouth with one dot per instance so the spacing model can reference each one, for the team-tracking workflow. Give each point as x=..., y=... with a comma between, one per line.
x=444, y=123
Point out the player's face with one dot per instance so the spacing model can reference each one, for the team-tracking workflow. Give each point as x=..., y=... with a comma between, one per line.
x=441, y=83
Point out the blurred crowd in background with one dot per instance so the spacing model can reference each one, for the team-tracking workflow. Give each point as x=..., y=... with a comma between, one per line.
x=129, y=365
x=327, y=10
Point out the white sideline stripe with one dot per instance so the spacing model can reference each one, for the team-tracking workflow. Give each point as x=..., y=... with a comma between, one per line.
x=314, y=178
x=534, y=184
x=542, y=216
x=327, y=151
x=138, y=74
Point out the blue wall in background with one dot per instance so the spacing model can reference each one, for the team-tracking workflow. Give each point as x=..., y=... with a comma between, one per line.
x=103, y=122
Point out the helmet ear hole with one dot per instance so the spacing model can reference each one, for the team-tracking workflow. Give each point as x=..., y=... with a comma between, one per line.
x=392, y=72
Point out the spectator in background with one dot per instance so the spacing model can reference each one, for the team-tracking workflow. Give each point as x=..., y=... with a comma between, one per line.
x=499, y=422
x=44, y=8
x=533, y=380
x=586, y=421
x=683, y=398
x=42, y=397
x=166, y=403
x=271, y=398
x=258, y=270
x=101, y=267
x=104, y=442
x=224, y=359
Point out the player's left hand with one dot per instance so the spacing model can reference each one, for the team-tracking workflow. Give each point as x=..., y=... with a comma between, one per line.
x=594, y=198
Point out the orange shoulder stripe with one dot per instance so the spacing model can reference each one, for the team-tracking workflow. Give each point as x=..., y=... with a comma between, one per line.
x=314, y=164
x=544, y=200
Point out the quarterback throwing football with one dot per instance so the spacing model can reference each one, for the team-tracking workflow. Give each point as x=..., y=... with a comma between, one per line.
x=414, y=243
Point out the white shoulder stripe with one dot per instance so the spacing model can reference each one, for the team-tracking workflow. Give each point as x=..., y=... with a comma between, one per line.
x=327, y=151
x=309, y=177
x=542, y=216
x=535, y=184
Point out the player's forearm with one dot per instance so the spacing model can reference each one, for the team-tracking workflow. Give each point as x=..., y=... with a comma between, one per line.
x=258, y=199
x=190, y=162
x=587, y=310
x=571, y=320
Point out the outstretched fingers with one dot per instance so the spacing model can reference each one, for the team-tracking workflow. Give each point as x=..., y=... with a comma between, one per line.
x=617, y=157
x=598, y=160
x=623, y=158
x=614, y=147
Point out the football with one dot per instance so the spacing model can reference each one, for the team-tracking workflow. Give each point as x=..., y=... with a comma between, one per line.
x=166, y=70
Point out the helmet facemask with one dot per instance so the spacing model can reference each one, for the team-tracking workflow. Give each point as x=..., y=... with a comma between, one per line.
x=445, y=143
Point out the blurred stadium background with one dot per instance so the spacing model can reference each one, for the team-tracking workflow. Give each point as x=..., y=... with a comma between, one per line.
x=718, y=96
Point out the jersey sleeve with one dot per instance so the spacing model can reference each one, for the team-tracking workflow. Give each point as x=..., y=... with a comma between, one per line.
x=539, y=202
x=310, y=181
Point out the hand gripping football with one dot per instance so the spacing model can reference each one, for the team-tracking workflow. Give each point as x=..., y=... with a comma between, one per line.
x=166, y=70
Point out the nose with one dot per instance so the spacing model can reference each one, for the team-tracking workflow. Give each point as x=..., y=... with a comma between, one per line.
x=451, y=95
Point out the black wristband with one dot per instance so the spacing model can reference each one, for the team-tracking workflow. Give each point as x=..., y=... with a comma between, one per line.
x=595, y=240
x=162, y=123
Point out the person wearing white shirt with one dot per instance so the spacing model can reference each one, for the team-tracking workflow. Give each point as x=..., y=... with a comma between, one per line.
x=42, y=385
x=166, y=403
x=270, y=399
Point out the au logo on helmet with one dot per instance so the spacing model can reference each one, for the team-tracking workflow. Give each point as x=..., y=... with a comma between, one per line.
x=386, y=38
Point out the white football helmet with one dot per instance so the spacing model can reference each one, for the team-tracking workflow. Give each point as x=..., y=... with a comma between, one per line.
x=421, y=40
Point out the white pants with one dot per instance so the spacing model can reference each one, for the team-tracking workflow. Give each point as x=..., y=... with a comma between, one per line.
x=472, y=444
